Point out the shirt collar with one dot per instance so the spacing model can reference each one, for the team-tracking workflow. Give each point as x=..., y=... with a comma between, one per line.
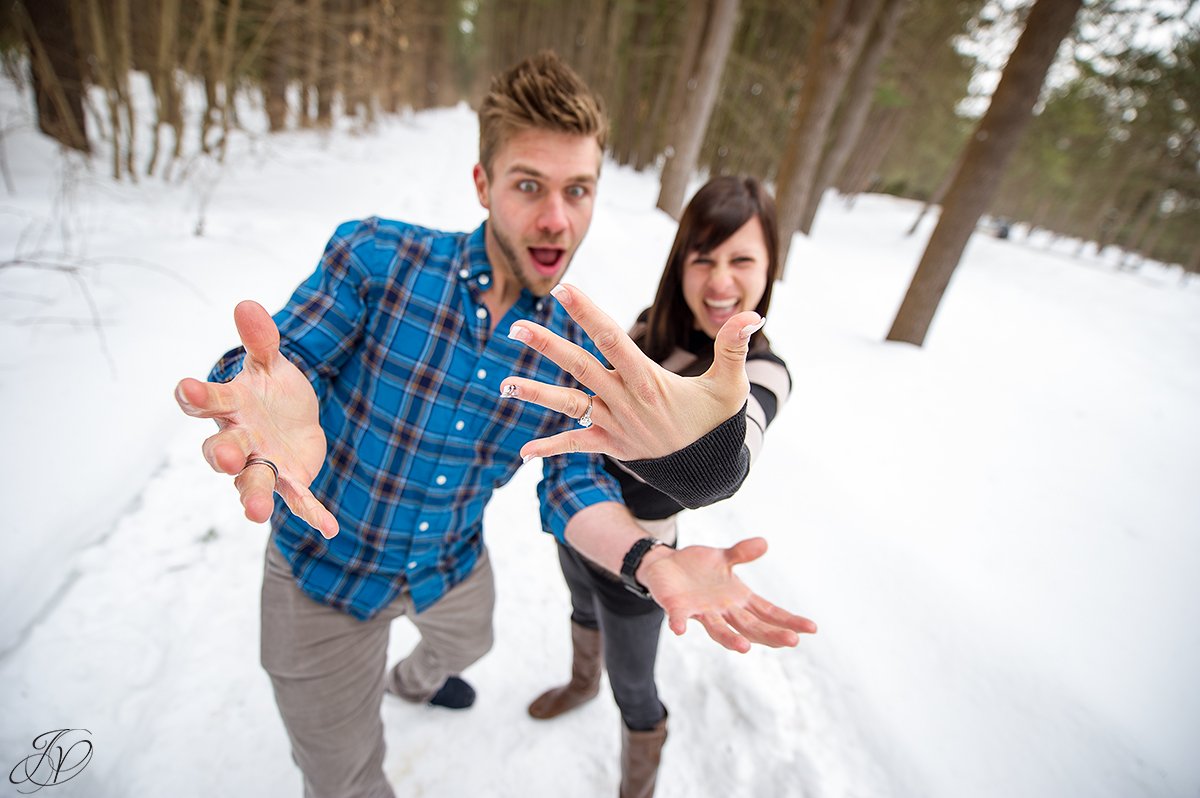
x=476, y=271
x=475, y=261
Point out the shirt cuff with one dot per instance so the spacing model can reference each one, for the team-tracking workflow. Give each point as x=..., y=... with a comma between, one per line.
x=706, y=471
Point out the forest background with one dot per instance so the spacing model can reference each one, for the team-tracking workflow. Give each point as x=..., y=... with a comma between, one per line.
x=857, y=95
x=996, y=533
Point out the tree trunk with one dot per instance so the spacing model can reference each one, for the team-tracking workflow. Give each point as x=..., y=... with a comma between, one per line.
x=228, y=43
x=860, y=174
x=166, y=93
x=1131, y=242
x=718, y=38
x=212, y=73
x=1193, y=264
x=1094, y=228
x=987, y=154
x=940, y=192
x=837, y=40
x=57, y=78
x=277, y=67
x=629, y=121
x=326, y=26
x=687, y=66
x=101, y=48
x=122, y=66
x=385, y=79
x=856, y=105
x=1149, y=244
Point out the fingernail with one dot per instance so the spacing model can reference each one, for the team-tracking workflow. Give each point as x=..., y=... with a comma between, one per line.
x=508, y=391
x=518, y=333
x=179, y=397
x=561, y=293
x=751, y=329
x=526, y=459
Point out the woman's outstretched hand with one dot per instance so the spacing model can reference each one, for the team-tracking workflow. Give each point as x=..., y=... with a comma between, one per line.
x=639, y=409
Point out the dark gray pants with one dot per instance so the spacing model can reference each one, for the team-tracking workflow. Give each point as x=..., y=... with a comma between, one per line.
x=328, y=671
x=630, y=640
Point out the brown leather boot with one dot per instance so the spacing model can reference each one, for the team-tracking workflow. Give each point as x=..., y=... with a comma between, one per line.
x=641, y=752
x=585, y=677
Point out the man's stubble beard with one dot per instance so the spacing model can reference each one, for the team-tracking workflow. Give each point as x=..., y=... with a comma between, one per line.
x=509, y=252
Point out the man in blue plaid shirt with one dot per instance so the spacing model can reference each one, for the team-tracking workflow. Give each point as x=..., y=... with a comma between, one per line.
x=375, y=394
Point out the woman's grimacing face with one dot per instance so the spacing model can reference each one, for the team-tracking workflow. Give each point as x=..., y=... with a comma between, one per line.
x=727, y=280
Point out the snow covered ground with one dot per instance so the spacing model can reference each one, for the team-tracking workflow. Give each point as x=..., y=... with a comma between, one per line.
x=997, y=533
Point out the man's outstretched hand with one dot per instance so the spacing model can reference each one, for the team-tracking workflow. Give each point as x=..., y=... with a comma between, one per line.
x=690, y=582
x=268, y=411
x=698, y=582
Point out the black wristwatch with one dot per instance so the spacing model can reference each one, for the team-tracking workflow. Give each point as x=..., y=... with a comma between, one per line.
x=633, y=560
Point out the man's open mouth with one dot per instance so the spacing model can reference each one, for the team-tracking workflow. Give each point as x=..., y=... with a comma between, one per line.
x=547, y=260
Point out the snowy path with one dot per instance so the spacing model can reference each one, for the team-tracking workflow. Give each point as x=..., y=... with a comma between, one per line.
x=154, y=651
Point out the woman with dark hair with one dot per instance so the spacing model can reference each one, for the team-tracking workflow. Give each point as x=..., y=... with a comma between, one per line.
x=723, y=262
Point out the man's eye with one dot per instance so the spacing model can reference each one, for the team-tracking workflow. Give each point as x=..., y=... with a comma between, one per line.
x=576, y=192
x=527, y=186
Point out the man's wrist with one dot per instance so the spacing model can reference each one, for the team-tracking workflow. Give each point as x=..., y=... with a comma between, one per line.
x=642, y=552
x=660, y=552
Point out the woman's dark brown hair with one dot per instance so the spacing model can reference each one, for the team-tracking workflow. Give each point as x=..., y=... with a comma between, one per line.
x=717, y=211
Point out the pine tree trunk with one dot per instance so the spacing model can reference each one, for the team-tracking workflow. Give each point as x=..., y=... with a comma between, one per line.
x=629, y=117
x=439, y=90
x=651, y=130
x=988, y=152
x=856, y=105
x=385, y=78
x=860, y=174
x=940, y=192
x=1093, y=230
x=837, y=40
x=57, y=78
x=101, y=52
x=212, y=73
x=123, y=65
x=328, y=27
x=687, y=64
x=718, y=38
x=277, y=68
x=166, y=93
x=228, y=42
x=1132, y=240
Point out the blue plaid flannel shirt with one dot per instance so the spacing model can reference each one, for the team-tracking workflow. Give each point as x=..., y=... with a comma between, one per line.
x=392, y=333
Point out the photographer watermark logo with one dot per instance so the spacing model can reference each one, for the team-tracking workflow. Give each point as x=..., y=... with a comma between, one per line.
x=59, y=755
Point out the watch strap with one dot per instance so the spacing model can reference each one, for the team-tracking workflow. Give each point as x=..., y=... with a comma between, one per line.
x=633, y=560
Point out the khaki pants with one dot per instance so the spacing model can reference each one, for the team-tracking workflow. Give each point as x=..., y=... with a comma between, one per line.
x=327, y=669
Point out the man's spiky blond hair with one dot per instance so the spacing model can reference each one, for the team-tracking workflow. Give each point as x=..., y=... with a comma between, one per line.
x=540, y=93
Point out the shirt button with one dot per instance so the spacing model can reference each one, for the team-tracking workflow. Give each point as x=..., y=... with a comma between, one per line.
x=481, y=374
x=464, y=273
x=484, y=279
x=541, y=303
x=458, y=425
x=423, y=526
x=481, y=313
x=441, y=479
x=412, y=566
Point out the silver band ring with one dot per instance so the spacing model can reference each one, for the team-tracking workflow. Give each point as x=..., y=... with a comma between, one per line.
x=262, y=461
x=585, y=420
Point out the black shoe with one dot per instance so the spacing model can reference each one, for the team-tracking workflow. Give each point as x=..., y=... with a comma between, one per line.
x=454, y=694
